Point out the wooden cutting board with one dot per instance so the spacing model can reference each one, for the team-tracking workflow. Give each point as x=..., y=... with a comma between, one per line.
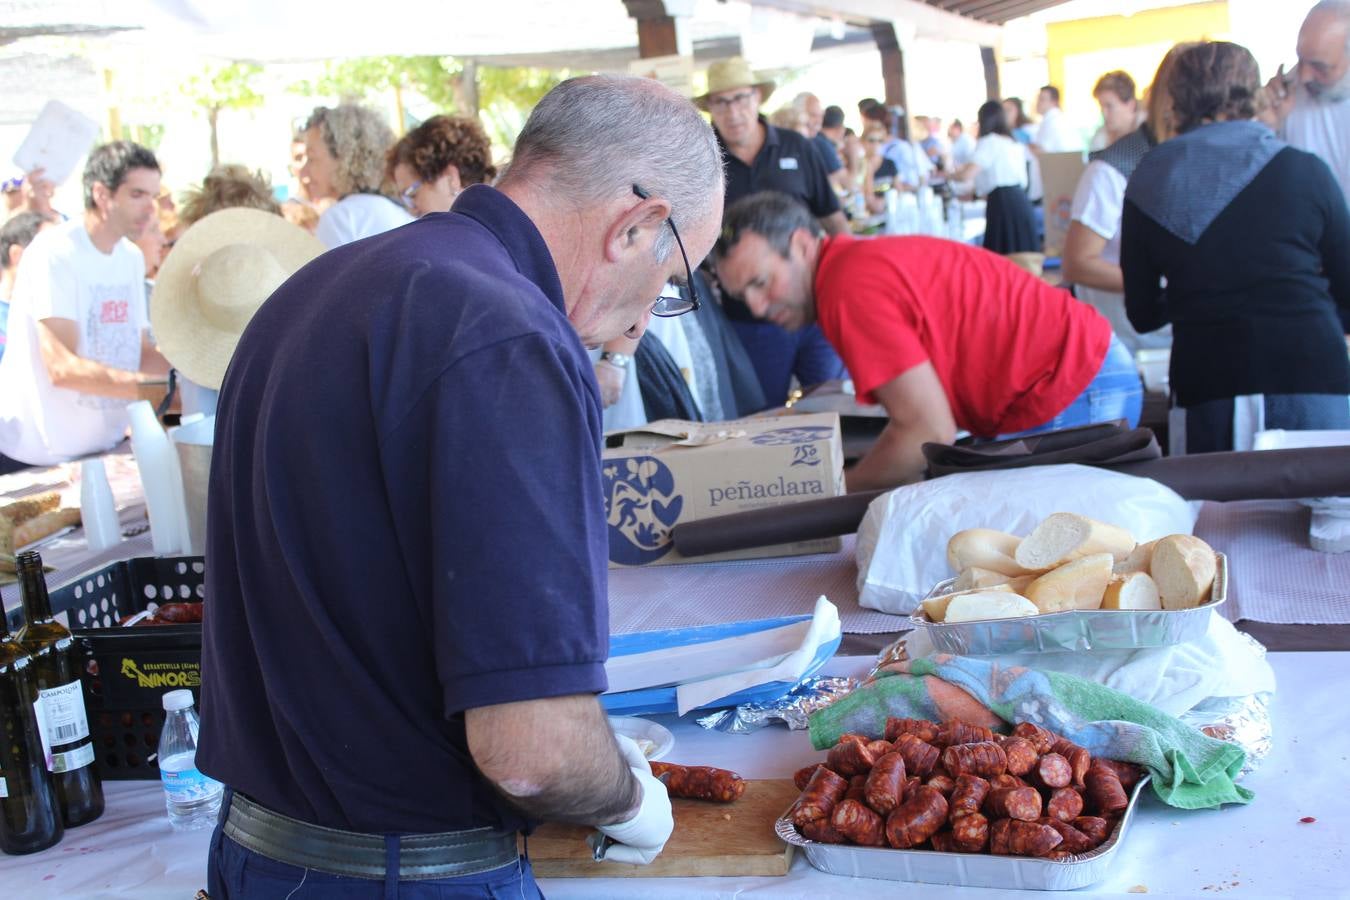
x=709, y=839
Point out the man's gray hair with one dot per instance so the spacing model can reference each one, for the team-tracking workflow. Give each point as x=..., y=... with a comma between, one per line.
x=592, y=139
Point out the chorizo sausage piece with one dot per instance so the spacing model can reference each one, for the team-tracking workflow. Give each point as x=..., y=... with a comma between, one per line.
x=985, y=759
x=1128, y=773
x=856, y=788
x=1065, y=804
x=850, y=758
x=823, y=831
x=971, y=832
x=1096, y=828
x=1006, y=781
x=885, y=788
x=944, y=842
x=917, y=819
x=1022, y=803
x=1000, y=836
x=1079, y=759
x=944, y=784
x=1031, y=838
x=967, y=796
x=922, y=729
x=1053, y=771
x=859, y=824
x=878, y=749
x=1041, y=738
x=851, y=736
x=822, y=793
x=179, y=613
x=1105, y=792
x=920, y=756
x=961, y=733
x=701, y=782
x=1071, y=839
x=912, y=782
x=803, y=775
x=1021, y=755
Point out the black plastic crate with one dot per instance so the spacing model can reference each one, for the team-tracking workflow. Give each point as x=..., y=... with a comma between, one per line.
x=127, y=671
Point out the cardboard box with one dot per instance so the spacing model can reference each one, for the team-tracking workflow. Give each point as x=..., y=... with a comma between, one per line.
x=1060, y=173
x=671, y=471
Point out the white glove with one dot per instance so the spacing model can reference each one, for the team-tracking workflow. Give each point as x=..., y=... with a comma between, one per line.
x=642, y=837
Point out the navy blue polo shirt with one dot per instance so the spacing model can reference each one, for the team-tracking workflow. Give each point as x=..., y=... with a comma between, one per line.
x=788, y=163
x=392, y=540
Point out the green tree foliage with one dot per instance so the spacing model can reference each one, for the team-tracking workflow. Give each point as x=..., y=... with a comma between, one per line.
x=226, y=87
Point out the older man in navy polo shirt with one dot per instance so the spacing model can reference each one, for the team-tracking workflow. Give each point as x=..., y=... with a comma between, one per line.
x=408, y=622
x=760, y=157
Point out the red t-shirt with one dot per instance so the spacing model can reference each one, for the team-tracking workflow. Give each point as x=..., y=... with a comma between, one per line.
x=1011, y=351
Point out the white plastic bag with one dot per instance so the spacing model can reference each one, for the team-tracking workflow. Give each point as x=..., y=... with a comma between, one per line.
x=902, y=541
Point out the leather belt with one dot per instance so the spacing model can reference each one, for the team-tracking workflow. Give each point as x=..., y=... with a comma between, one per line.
x=359, y=855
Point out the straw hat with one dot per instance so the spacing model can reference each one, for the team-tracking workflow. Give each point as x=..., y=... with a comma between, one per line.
x=729, y=74
x=213, y=281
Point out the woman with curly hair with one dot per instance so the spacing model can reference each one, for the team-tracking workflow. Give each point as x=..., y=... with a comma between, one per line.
x=432, y=163
x=1252, y=238
x=344, y=161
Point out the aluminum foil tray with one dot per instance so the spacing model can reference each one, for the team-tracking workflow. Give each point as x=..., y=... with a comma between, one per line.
x=965, y=869
x=1097, y=629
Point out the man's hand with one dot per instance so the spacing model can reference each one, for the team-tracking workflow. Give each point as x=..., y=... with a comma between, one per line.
x=610, y=378
x=641, y=838
x=1279, y=99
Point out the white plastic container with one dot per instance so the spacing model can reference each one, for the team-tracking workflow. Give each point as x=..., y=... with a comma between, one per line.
x=191, y=799
x=97, y=510
x=155, y=460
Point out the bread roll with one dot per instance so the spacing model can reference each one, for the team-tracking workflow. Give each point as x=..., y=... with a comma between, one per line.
x=976, y=579
x=988, y=605
x=936, y=607
x=1076, y=585
x=1133, y=591
x=984, y=548
x=1064, y=537
x=30, y=507
x=1183, y=567
x=1137, y=561
x=37, y=528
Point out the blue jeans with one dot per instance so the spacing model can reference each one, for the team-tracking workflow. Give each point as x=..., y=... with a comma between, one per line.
x=1116, y=393
x=236, y=873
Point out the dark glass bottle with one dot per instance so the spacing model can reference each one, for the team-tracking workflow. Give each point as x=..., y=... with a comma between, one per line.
x=30, y=818
x=57, y=673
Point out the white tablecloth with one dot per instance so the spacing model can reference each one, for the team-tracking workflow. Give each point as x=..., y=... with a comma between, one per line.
x=1261, y=850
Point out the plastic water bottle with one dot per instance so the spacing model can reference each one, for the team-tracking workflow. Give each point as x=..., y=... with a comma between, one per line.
x=192, y=799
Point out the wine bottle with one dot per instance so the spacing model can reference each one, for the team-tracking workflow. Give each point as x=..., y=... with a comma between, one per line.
x=30, y=817
x=56, y=670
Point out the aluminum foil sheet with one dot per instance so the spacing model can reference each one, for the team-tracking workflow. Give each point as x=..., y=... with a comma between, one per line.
x=1097, y=629
x=966, y=869
x=792, y=709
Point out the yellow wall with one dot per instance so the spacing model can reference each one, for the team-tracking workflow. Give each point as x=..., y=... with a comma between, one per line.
x=1080, y=51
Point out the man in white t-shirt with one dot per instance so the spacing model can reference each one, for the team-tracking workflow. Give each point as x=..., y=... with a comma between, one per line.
x=1054, y=134
x=79, y=348
x=1310, y=106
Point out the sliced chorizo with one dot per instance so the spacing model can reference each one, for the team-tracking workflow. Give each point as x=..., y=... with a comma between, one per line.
x=985, y=759
x=944, y=784
x=1079, y=759
x=885, y=787
x=971, y=832
x=1022, y=803
x=1095, y=827
x=1065, y=804
x=920, y=756
x=917, y=819
x=922, y=729
x=1021, y=755
x=1105, y=792
x=962, y=733
x=822, y=793
x=1071, y=839
x=967, y=796
x=859, y=824
x=850, y=758
x=856, y=788
x=803, y=775
x=1053, y=771
x=1031, y=838
x=1041, y=738
x=1128, y=773
x=823, y=831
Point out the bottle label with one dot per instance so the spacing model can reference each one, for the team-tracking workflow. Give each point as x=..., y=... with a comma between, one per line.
x=188, y=784
x=40, y=713
x=66, y=721
x=71, y=760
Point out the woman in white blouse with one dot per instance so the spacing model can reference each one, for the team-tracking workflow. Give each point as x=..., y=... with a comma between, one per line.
x=999, y=172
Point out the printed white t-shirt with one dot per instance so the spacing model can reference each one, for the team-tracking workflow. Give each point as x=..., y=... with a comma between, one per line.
x=63, y=275
x=358, y=216
x=1098, y=203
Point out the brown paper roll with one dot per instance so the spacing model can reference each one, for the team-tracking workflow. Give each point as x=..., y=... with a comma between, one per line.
x=1253, y=475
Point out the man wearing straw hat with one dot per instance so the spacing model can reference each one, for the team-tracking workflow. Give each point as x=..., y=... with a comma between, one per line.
x=407, y=546
x=761, y=157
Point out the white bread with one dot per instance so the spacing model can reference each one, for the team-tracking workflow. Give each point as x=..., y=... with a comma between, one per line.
x=1064, y=537
x=984, y=548
x=1076, y=585
x=1133, y=591
x=1137, y=561
x=988, y=605
x=975, y=578
x=936, y=607
x=1183, y=567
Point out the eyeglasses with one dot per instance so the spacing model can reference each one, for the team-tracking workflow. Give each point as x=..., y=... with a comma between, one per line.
x=408, y=195
x=666, y=306
x=735, y=99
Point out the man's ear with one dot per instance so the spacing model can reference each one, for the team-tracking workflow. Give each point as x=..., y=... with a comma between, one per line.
x=799, y=243
x=637, y=226
x=101, y=195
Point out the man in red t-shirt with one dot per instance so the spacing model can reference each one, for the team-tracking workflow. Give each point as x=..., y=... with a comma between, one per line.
x=945, y=336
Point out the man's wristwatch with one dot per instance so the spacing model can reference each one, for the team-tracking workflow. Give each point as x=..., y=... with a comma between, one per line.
x=617, y=360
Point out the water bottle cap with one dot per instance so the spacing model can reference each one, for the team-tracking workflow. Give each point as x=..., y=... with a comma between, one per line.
x=179, y=699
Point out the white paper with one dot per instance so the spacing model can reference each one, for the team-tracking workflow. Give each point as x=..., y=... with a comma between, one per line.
x=58, y=139
x=673, y=665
